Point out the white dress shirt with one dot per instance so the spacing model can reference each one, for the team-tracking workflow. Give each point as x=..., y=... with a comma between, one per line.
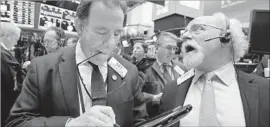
x=229, y=107
x=85, y=70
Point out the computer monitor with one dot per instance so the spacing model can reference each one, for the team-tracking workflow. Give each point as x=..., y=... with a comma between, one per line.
x=259, y=32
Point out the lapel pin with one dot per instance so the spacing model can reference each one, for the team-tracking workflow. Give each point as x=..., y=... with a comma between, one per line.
x=114, y=77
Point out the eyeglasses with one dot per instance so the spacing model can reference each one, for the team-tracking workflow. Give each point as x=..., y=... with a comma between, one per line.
x=170, y=48
x=197, y=28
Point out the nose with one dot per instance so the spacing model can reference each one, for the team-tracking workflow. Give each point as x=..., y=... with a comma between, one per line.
x=186, y=36
x=110, y=41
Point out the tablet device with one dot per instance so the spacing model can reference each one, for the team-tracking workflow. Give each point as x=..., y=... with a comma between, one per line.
x=167, y=118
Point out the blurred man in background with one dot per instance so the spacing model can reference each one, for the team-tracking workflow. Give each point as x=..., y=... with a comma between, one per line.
x=220, y=94
x=164, y=69
x=11, y=72
x=53, y=39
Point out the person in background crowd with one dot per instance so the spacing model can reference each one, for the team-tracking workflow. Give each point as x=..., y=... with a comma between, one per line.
x=220, y=94
x=71, y=41
x=262, y=64
x=84, y=84
x=19, y=50
x=53, y=39
x=139, y=50
x=163, y=70
x=31, y=49
x=139, y=57
x=11, y=72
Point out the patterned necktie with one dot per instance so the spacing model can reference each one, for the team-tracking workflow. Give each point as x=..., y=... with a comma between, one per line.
x=208, y=115
x=98, y=91
x=166, y=73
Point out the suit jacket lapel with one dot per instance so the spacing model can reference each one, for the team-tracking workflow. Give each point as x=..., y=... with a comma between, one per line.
x=181, y=95
x=114, y=83
x=68, y=76
x=182, y=91
x=158, y=71
x=249, y=95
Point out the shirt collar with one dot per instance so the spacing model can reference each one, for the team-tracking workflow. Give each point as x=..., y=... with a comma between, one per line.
x=160, y=64
x=80, y=56
x=225, y=74
x=197, y=76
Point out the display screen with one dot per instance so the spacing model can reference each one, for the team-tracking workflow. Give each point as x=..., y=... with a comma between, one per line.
x=21, y=13
x=57, y=17
x=259, y=31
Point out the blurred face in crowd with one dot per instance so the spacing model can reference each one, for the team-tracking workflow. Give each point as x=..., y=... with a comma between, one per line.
x=166, y=49
x=151, y=51
x=11, y=39
x=198, y=53
x=138, y=51
x=51, y=40
x=100, y=32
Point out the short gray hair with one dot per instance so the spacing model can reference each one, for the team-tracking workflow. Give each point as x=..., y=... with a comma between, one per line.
x=9, y=29
x=83, y=8
x=163, y=35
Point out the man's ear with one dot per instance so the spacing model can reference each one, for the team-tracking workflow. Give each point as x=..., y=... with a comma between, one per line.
x=79, y=24
x=228, y=44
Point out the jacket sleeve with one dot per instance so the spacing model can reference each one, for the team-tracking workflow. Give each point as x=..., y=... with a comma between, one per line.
x=139, y=109
x=26, y=111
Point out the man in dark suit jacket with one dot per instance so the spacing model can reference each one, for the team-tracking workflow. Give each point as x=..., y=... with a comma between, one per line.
x=254, y=92
x=74, y=87
x=163, y=70
x=155, y=76
x=11, y=71
x=219, y=94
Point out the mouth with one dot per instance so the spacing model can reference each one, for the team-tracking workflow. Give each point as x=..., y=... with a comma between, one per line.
x=189, y=48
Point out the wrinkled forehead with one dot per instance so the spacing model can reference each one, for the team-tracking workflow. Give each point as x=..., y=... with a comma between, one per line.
x=207, y=20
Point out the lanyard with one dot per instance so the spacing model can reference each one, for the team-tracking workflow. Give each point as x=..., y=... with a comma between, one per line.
x=80, y=81
x=80, y=91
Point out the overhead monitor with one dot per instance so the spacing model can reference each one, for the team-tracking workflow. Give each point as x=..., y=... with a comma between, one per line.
x=259, y=32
